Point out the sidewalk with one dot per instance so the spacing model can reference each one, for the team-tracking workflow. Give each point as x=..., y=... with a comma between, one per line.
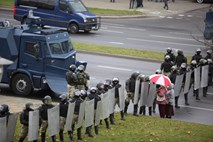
x=151, y=8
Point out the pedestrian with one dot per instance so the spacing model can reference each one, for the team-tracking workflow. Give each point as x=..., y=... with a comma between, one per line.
x=77, y=100
x=166, y=66
x=180, y=59
x=170, y=101
x=112, y=1
x=63, y=109
x=130, y=89
x=43, y=109
x=158, y=71
x=166, y=5
x=197, y=56
x=139, y=3
x=71, y=80
x=24, y=120
x=131, y=4
x=161, y=100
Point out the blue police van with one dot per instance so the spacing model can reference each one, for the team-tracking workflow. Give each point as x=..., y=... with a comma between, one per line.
x=69, y=14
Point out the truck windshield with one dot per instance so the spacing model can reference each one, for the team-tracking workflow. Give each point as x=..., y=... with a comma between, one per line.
x=61, y=48
x=77, y=6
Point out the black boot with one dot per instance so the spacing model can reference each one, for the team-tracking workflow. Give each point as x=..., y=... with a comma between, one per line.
x=150, y=111
x=111, y=118
x=154, y=105
x=107, y=123
x=176, y=102
x=79, y=134
x=89, y=132
x=96, y=130
x=126, y=107
x=186, y=99
x=53, y=138
x=35, y=141
x=122, y=115
x=144, y=110
x=205, y=91
x=42, y=137
x=21, y=139
x=197, y=94
x=70, y=133
x=135, y=111
x=61, y=135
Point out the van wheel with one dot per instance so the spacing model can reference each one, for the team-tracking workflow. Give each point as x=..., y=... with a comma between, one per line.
x=21, y=85
x=73, y=28
x=199, y=1
x=23, y=21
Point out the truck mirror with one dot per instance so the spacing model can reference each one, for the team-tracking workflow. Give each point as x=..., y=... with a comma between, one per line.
x=37, y=52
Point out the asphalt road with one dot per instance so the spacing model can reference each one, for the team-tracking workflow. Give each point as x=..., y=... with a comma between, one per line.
x=180, y=31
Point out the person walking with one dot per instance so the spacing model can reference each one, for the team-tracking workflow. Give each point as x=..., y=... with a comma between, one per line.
x=170, y=101
x=161, y=100
x=166, y=5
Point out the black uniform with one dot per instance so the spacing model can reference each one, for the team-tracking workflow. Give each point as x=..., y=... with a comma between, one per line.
x=180, y=59
x=166, y=66
x=197, y=57
x=171, y=55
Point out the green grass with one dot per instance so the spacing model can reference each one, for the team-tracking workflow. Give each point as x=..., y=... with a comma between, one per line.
x=147, y=129
x=6, y=3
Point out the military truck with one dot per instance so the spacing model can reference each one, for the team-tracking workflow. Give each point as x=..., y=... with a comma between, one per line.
x=208, y=32
x=40, y=57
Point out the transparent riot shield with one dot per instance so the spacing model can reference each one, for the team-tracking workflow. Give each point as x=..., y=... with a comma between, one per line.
x=70, y=114
x=121, y=97
x=81, y=115
x=178, y=84
x=197, y=78
x=33, y=128
x=98, y=113
x=89, y=113
x=3, y=129
x=187, y=82
x=11, y=126
x=204, y=76
x=144, y=93
x=111, y=106
x=151, y=94
x=53, y=121
x=136, y=95
x=105, y=105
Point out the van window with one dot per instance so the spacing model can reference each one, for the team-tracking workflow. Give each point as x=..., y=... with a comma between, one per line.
x=64, y=7
x=43, y=4
x=77, y=6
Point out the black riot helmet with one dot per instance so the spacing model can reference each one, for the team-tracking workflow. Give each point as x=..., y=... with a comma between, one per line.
x=47, y=100
x=5, y=108
x=100, y=86
x=169, y=50
x=193, y=62
x=180, y=52
x=209, y=52
x=81, y=68
x=209, y=61
x=93, y=90
x=167, y=58
x=198, y=51
x=63, y=97
x=135, y=75
x=28, y=105
x=72, y=67
x=158, y=71
x=115, y=80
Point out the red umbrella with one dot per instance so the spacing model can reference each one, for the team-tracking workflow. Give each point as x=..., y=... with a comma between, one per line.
x=160, y=79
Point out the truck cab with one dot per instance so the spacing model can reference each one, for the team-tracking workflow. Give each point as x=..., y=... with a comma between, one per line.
x=40, y=58
x=208, y=31
x=69, y=14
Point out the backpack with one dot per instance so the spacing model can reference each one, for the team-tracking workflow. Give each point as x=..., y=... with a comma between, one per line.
x=81, y=78
x=161, y=96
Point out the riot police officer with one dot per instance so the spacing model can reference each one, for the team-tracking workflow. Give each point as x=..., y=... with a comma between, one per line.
x=210, y=76
x=5, y=111
x=197, y=56
x=203, y=62
x=171, y=54
x=24, y=120
x=130, y=88
x=82, y=78
x=116, y=85
x=63, y=108
x=194, y=65
x=180, y=59
x=166, y=66
x=71, y=80
x=43, y=110
x=209, y=55
x=77, y=99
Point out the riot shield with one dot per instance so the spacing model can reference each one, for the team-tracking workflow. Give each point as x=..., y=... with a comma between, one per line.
x=204, y=76
x=111, y=106
x=3, y=128
x=98, y=113
x=53, y=121
x=151, y=94
x=144, y=93
x=11, y=126
x=136, y=95
x=187, y=82
x=70, y=114
x=33, y=128
x=89, y=113
x=121, y=98
x=178, y=84
x=105, y=105
x=81, y=115
x=197, y=78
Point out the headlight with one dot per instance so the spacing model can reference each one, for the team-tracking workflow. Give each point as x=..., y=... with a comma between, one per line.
x=85, y=20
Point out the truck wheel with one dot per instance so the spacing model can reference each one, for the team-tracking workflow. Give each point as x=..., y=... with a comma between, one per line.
x=73, y=28
x=199, y=1
x=21, y=85
x=23, y=21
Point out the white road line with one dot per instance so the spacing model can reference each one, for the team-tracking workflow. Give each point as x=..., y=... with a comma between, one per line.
x=170, y=17
x=127, y=28
x=115, y=68
x=165, y=42
x=181, y=15
x=206, y=109
x=179, y=33
x=172, y=37
x=117, y=43
x=113, y=24
x=162, y=16
x=112, y=31
x=189, y=15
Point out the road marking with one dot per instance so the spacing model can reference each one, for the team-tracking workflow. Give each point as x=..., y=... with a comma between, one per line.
x=127, y=28
x=181, y=15
x=162, y=16
x=179, y=33
x=113, y=24
x=117, y=43
x=172, y=37
x=206, y=109
x=165, y=42
x=112, y=31
x=114, y=68
x=170, y=17
x=189, y=16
